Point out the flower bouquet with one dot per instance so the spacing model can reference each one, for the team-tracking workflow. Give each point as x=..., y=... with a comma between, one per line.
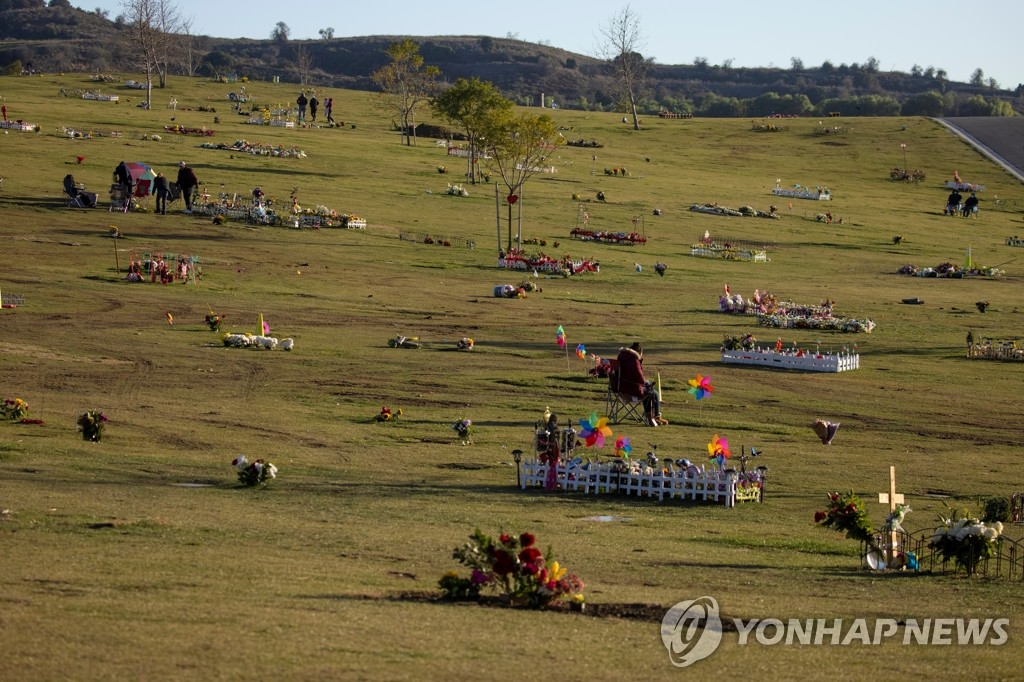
x=91, y=424
x=464, y=344
x=965, y=541
x=14, y=410
x=213, y=321
x=745, y=342
x=464, y=428
x=847, y=514
x=513, y=566
x=254, y=473
x=387, y=415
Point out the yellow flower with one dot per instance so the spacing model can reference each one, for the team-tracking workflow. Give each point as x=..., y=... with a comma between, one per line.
x=557, y=572
x=578, y=598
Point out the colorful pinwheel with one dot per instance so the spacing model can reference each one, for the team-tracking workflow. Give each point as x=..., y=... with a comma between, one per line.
x=700, y=387
x=593, y=431
x=560, y=336
x=581, y=351
x=623, y=447
x=718, y=449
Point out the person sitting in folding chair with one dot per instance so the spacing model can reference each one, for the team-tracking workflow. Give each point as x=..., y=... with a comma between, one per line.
x=633, y=383
x=77, y=196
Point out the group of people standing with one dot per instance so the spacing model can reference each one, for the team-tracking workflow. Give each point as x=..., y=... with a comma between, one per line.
x=313, y=103
x=186, y=183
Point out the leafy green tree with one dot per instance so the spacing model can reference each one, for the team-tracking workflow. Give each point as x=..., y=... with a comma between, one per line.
x=977, y=77
x=281, y=32
x=406, y=83
x=473, y=104
x=924, y=104
x=518, y=146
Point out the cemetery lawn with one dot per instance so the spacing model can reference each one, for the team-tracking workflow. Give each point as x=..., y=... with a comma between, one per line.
x=141, y=557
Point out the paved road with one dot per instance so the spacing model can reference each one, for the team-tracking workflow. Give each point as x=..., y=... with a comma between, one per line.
x=1001, y=138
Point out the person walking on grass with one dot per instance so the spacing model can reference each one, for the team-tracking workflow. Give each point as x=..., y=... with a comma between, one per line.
x=188, y=182
x=329, y=110
x=313, y=104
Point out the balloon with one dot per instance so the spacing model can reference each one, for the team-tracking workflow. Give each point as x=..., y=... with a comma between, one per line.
x=700, y=387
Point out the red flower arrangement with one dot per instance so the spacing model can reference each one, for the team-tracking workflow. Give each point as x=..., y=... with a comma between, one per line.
x=514, y=566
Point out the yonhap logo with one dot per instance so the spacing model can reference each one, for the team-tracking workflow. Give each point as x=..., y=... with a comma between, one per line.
x=685, y=620
x=692, y=631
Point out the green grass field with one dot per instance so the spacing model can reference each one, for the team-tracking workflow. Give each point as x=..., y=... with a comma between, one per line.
x=140, y=557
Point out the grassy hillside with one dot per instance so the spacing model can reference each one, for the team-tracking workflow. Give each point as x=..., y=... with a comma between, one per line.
x=143, y=558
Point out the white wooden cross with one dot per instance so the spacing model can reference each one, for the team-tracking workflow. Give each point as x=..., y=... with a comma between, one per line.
x=892, y=498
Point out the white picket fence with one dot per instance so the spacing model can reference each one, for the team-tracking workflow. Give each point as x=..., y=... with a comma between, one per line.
x=692, y=483
x=808, y=362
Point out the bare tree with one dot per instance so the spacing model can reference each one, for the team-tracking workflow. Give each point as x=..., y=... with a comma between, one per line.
x=406, y=83
x=192, y=49
x=146, y=38
x=622, y=40
x=327, y=33
x=304, y=65
x=171, y=27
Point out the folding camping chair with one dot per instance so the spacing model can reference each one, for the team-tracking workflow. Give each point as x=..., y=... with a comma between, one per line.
x=74, y=200
x=120, y=198
x=620, y=407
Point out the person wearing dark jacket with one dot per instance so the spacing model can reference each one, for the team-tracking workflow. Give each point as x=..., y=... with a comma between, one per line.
x=632, y=382
x=313, y=104
x=122, y=176
x=162, y=190
x=187, y=181
x=971, y=205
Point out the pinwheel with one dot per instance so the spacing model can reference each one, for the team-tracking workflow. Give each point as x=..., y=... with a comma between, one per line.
x=581, y=351
x=622, y=447
x=700, y=387
x=560, y=336
x=718, y=449
x=593, y=431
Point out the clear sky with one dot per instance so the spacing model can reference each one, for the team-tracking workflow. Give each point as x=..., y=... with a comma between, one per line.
x=958, y=37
